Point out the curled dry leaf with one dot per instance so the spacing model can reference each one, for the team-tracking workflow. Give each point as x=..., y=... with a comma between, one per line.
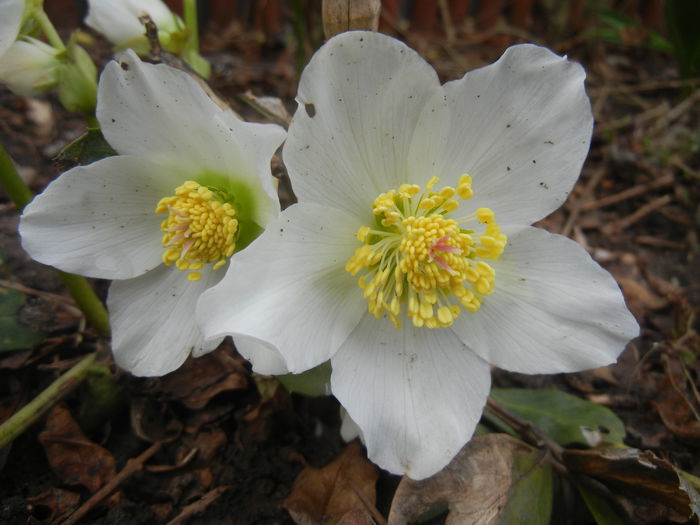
x=640, y=473
x=73, y=457
x=494, y=479
x=676, y=403
x=54, y=504
x=200, y=379
x=325, y=496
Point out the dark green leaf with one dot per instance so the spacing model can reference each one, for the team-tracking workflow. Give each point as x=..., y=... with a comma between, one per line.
x=13, y=334
x=565, y=418
x=602, y=512
x=530, y=498
x=87, y=148
x=682, y=18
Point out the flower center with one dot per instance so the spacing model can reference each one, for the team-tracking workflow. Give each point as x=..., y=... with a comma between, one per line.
x=200, y=228
x=417, y=256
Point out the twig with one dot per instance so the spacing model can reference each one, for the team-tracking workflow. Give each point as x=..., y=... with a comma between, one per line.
x=528, y=432
x=447, y=21
x=628, y=120
x=578, y=205
x=634, y=191
x=638, y=215
x=199, y=505
x=65, y=301
x=681, y=109
x=27, y=415
x=648, y=86
x=132, y=466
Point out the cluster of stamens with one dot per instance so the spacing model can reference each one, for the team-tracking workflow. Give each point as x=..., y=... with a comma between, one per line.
x=200, y=229
x=417, y=257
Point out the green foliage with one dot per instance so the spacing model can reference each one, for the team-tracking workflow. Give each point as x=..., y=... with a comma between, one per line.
x=87, y=148
x=683, y=22
x=102, y=397
x=530, y=497
x=13, y=334
x=565, y=418
x=314, y=382
x=619, y=28
x=602, y=512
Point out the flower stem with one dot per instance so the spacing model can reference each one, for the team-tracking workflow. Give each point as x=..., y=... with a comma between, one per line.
x=190, y=15
x=49, y=30
x=15, y=187
x=84, y=296
x=27, y=415
x=95, y=312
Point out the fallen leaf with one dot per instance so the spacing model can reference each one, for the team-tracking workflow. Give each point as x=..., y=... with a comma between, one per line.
x=54, y=505
x=356, y=517
x=565, y=418
x=14, y=335
x=639, y=473
x=75, y=459
x=202, y=378
x=324, y=496
x=494, y=479
x=674, y=402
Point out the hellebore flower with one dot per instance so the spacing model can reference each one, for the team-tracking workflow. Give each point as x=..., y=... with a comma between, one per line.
x=29, y=67
x=10, y=22
x=191, y=185
x=422, y=195
x=118, y=20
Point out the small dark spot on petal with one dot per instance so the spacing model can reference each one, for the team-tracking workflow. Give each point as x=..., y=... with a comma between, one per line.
x=310, y=109
x=124, y=66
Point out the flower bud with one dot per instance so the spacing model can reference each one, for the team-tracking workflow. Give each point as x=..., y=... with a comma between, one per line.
x=29, y=67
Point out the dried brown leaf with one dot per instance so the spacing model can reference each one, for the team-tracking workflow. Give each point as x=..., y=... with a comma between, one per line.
x=675, y=411
x=75, y=459
x=639, y=473
x=59, y=503
x=356, y=517
x=324, y=496
x=476, y=485
x=200, y=379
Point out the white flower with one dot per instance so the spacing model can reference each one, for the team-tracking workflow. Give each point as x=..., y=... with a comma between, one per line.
x=29, y=67
x=118, y=20
x=191, y=183
x=10, y=22
x=378, y=154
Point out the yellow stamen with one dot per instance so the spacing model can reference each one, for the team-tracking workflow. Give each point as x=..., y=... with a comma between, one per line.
x=421, y=261
x=200, y=229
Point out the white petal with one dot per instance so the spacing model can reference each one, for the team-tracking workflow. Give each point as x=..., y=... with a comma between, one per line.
x=416, y=394
x=10, y=21
x=159, y=112
x=378, y=120
x=553, y=310
x=290, y=288
x=28, y=67
x=153, y=320
x=264, y=357
x=118, y=20
x=99, y=220
x=521, y=128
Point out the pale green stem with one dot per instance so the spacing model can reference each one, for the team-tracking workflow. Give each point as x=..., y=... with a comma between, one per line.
x=15, y=187
x=49, y=30
x=38, y=406
x=80, y=290
x=91, y=306
x=190, y=15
